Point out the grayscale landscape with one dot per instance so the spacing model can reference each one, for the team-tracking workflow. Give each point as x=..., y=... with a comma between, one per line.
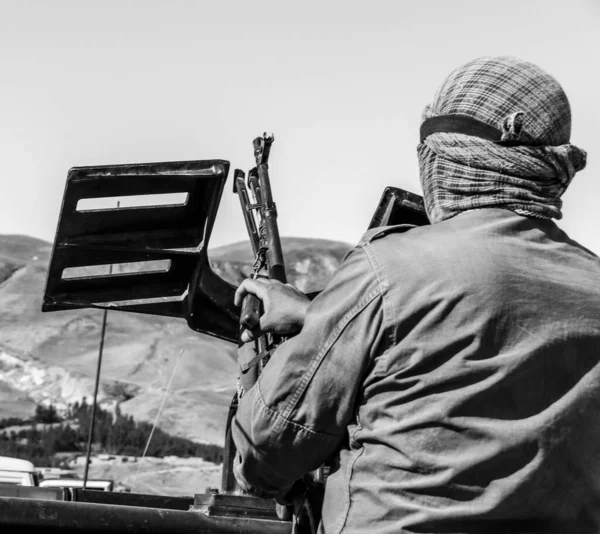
x=52, y=357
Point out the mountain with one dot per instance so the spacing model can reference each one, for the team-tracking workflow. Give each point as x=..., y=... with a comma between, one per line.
x=52, y=357
x=309, y=262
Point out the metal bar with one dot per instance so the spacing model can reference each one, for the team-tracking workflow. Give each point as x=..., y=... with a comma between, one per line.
x=242, y=192
x=254, y=188
x=55, y=516
x=130, y=499
x=96, y=386
x=228, y=482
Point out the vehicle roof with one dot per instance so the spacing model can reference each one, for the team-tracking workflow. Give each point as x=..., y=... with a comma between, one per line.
x=8, y=463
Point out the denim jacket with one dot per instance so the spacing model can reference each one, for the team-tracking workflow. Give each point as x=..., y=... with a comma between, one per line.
x=450, y=377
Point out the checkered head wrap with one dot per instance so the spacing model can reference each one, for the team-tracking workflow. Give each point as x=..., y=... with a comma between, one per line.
x=532, y=165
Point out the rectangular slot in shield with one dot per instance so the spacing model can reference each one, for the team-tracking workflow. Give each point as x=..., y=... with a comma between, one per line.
x=116, y=269
x=133, y=201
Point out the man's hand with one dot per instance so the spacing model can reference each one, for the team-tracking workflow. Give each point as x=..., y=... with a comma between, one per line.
x=285, y=307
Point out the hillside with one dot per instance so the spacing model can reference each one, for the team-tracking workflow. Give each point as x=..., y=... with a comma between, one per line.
x=52, y=357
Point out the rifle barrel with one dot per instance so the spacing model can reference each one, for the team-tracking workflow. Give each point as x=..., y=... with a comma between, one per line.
x=269, y=214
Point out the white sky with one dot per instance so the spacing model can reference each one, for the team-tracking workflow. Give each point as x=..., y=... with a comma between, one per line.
x=340, y=83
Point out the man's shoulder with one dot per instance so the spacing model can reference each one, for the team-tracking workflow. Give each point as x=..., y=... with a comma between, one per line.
x=439, y=246
x=391, y=250
x=381, y=232
x=465, y=226
x=407, y=237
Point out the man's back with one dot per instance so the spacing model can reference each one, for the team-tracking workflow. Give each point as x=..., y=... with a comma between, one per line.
x=480, y=413
x=452, y=371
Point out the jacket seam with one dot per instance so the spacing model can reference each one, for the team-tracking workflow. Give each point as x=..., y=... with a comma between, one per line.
x=283, y=420
x=316, y=361
x=389, y=317
x=344, y=516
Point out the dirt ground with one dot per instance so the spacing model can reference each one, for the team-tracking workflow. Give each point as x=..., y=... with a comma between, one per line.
x=156, y=476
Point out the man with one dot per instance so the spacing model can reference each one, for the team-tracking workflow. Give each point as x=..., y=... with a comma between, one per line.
x=449, y=374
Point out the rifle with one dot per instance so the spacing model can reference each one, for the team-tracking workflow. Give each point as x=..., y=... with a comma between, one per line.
x=260, y=215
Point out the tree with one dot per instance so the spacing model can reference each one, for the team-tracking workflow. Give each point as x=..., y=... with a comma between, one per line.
x=46, y=414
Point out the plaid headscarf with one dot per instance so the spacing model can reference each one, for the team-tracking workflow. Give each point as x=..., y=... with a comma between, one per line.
x=462, y=172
